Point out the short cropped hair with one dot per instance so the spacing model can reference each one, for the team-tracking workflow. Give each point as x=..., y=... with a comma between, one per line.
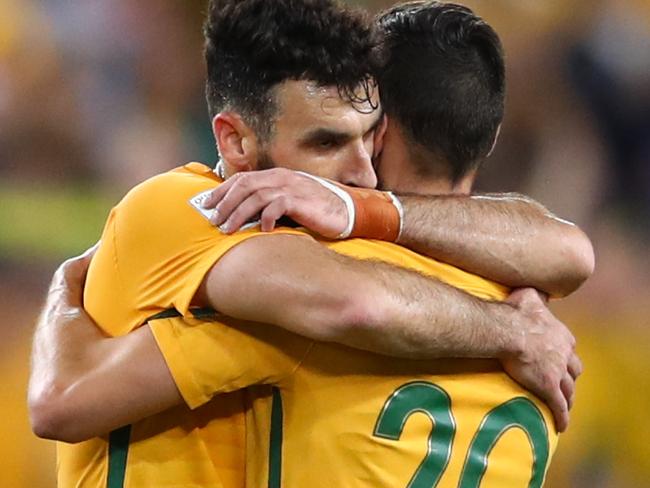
x=442, y=77
x=253, y=45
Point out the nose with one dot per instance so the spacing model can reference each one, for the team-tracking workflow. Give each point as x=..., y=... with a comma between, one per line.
x=359, y=171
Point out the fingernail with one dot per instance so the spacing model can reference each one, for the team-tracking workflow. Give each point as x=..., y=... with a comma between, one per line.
x=217, y=217
x=225, y=228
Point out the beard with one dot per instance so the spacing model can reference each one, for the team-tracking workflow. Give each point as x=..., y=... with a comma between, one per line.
x=264, y=161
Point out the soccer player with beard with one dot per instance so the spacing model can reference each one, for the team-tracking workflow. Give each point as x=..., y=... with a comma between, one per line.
x=329, y=128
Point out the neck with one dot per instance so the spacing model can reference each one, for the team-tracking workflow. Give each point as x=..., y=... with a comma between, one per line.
x=399, y=173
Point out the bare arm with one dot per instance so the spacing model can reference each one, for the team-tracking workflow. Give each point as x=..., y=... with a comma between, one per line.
x=299, y=285
x=507, y=238
x=83, y=384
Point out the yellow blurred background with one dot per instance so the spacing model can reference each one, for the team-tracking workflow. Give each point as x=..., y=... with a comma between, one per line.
x=97, y=95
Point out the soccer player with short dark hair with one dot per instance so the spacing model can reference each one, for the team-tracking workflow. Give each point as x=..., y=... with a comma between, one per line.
x=159, y=252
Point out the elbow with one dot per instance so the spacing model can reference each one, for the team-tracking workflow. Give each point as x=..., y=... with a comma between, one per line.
x=579, y=263
x=51, y=418
x=45, y=413
x=585, y=257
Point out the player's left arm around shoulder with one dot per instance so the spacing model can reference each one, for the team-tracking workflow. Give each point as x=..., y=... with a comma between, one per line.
x=509, y=238
x=82, y=383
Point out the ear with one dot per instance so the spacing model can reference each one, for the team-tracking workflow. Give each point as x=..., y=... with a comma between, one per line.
x=380, y=131
x=236, y=141
x=464, y=186
x=494, y=143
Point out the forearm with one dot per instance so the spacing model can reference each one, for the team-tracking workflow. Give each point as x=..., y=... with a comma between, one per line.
x=412, y=316
x=507, y=238
x=303, y=287
x=59, y=355
x=84, y=384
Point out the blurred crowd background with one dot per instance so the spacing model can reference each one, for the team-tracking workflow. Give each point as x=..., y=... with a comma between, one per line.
x=97, y=95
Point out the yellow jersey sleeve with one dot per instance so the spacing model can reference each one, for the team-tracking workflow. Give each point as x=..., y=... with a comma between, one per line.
x=156, y=248
x=210, y=357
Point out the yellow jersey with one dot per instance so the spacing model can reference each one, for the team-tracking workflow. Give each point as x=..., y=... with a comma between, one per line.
x=156, y=247
x=346, y=418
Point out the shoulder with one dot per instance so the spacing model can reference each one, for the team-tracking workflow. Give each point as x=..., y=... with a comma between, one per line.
x=171, y=188
x=167, y=200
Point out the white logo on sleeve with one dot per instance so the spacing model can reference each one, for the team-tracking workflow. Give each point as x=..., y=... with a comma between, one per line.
x=197, y=203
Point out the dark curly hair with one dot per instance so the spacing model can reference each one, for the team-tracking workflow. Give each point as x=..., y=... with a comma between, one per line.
x=442, y=77
x=253, y=45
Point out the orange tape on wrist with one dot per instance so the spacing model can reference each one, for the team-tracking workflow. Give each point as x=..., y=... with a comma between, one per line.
x=377, y=214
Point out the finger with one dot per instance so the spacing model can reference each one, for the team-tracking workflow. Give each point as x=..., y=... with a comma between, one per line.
x=82, y=262
x=249, y=209
x=272, y=213
x=238, y=192
x=90, y=252
x=567, y=385
x=75, y=269
x=558, y=405
x=524, y=297
x=245, y=186
x=574, y=366
x=218, y=193
x=86, y=259
x=68, y=281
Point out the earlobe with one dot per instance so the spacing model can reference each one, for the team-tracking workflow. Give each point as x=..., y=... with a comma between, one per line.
x=464, y=186
x=233, y=138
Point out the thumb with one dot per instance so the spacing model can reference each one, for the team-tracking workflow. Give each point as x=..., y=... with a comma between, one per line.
x=71, y=275
x=525, y=297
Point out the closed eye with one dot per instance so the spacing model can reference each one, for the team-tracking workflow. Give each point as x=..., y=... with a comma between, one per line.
x=328, y=143
x=325, y=139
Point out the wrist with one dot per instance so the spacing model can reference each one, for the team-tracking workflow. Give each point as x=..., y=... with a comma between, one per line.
x=378, y=215
x=506, y=331
x=372, y=214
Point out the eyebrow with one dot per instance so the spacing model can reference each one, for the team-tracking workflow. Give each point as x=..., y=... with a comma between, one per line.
x=316, y=135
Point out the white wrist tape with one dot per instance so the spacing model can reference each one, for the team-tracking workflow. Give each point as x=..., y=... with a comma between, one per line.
x=400, y=210
x=343, y=195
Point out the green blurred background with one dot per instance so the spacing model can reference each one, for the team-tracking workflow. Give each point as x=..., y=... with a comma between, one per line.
x=97, y=95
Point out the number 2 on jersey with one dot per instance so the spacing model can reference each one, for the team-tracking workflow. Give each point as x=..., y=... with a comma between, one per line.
x=433, y=401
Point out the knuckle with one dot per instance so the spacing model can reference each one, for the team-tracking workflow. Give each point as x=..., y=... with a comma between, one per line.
x=244, y=181
x=550, y=380
x=262, y=196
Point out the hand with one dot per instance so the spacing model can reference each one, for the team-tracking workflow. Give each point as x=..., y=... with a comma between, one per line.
x=274, y=193
x=66, y=289
x=546, y=362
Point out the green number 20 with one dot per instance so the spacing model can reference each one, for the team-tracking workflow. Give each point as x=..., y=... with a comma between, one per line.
x=433, y=401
